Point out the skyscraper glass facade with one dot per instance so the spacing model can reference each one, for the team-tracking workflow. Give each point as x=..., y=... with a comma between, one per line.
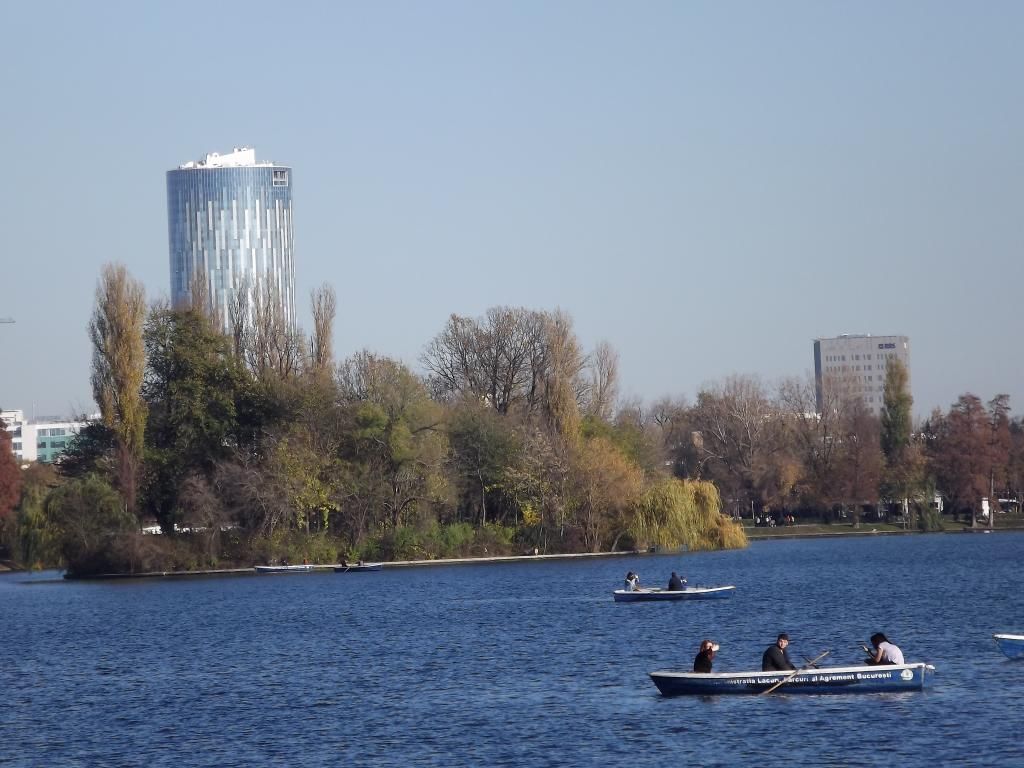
x=231, y=224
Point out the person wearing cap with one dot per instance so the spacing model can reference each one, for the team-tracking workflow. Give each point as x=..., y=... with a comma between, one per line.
x=702, y=663
x=776, y=657
x=885, y=652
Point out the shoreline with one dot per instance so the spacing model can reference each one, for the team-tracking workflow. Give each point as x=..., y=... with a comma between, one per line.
x=753, y=534
x=323, y=567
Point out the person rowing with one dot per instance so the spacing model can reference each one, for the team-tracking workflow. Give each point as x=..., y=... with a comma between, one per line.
x=776, y=657
x=676, y=584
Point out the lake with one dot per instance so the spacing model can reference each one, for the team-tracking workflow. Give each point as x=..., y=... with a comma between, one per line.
x=518, y=664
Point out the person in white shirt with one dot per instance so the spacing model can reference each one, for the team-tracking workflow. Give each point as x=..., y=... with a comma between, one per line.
x=632, y=582
x=885, y=652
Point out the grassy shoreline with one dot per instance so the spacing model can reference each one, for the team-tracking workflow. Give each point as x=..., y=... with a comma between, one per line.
x=802, y=531
x=754, y=533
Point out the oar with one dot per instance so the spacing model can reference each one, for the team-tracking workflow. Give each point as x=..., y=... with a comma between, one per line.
x=809, y=662
x=794, y=673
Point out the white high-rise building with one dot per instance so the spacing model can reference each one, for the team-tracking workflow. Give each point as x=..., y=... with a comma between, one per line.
x=856, y=363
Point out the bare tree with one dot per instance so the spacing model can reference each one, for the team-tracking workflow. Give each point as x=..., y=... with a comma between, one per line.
x=324, y=303
x=250, y=498
x=490, y=358
x=603, y=381
x=672, y=422
x=514, y=360
x=739, y=428
x=816, y=438
x=565, y=362
x=272, y=345
x=238, y=316
x=118, y=366
x=200, y=299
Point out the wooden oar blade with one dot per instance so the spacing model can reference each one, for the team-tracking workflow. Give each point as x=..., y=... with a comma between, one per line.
x=794, y=673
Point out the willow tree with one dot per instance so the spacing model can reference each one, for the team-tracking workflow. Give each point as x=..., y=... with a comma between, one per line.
x=118, y=366
x=674, y=513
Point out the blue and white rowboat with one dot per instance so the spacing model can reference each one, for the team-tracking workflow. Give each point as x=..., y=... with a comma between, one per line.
x=1011, y=645
x=688, y=593
x=859, y=679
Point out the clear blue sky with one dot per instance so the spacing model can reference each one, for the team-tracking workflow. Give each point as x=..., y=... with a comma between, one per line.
x=708, y=186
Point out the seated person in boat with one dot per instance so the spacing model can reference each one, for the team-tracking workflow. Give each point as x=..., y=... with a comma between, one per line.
x=885, y=652
x=632, y=582
x=676, y=584
x=702, y=663
x=776, y=657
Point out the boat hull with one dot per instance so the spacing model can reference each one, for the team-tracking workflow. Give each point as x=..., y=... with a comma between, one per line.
x=862, y=679
x=1011, y=645
x=690, y=593
x=283, y=568
x=364, y=568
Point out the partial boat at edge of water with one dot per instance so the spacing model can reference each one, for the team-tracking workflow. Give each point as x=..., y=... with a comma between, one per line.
x=1011, y=645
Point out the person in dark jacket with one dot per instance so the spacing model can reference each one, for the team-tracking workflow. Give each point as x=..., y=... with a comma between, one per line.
x=702, y=663
x=675, y=584
x=776, y=657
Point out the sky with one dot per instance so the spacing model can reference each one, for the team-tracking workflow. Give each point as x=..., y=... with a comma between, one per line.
x=706, y=186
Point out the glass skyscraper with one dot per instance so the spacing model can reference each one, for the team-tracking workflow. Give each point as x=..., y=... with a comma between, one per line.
x=229, y=222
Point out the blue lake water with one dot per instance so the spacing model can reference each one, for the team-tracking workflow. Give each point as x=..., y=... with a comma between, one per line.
x=514, y=664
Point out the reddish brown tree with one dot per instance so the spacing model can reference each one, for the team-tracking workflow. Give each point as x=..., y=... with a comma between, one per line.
x=961, y=452
x=860, y=461
x=10, y=475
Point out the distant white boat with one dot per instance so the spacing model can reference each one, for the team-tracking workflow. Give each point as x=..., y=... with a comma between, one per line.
x=283, y=568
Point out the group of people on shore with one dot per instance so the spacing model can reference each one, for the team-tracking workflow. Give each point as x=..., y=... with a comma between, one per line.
x=776, y=656
x=675, y=582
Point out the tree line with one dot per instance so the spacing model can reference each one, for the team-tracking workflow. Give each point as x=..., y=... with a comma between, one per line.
x=244, y=441
x=253, y=444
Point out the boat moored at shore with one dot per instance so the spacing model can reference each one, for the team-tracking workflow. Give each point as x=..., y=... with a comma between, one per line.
x=357, y=568
x=304, y=568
